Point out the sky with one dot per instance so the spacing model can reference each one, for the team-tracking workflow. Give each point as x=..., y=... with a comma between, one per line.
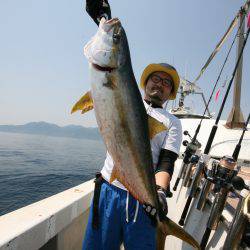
x=43, y=71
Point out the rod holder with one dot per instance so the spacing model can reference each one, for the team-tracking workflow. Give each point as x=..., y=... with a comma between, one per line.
x=203, y=195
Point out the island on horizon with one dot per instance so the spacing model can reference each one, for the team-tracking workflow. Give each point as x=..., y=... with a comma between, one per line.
x=50, y=129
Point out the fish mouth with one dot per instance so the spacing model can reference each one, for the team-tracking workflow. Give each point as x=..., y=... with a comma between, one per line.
x=114, y=20
x=107, y=25
x=101, y=68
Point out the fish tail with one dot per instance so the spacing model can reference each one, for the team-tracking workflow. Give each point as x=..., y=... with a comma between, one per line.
x=168, y=227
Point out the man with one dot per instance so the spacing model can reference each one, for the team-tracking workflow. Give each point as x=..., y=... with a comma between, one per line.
x=160, y=83
x=115, y=216
x=120, y=217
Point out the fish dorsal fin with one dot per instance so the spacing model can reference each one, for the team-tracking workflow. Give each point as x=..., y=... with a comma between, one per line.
x=155, y=127
x=84, y=104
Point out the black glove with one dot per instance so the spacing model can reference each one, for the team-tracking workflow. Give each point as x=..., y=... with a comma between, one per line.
x=163, y=199
x=151, y=213
x=98, y=9
x=150, y=210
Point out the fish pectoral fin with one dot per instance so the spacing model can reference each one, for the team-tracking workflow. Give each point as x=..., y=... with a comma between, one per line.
x=84, y=104
x=114, y=175
x=155, y=127
x=117, y=175
x=168, y=227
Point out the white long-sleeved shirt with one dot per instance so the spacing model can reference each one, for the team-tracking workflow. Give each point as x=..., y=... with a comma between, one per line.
x=169, y=139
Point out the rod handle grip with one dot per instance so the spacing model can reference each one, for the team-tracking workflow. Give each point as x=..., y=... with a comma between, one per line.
x=185, y=211
x=205, y=238
x=236, y=152
x=210, y=139
x=176, y=183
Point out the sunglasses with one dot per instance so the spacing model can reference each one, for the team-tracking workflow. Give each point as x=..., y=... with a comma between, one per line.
x=164, y=82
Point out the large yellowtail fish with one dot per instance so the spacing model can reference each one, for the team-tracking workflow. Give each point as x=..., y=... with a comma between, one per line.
x=123, y=121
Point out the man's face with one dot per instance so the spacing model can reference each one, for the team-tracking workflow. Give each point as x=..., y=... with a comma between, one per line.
x=158, y=87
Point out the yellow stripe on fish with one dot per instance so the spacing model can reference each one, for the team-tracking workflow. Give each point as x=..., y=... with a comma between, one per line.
x=85, y=104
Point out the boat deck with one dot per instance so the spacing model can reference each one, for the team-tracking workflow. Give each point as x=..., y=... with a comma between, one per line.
x=59, y=221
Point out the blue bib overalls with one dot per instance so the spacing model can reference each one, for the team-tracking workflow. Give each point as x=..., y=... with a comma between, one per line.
x=121, y=220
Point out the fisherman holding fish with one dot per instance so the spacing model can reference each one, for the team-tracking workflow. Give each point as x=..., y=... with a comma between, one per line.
x=131, y=190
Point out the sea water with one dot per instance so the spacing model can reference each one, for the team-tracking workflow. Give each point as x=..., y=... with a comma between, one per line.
x=33, y=167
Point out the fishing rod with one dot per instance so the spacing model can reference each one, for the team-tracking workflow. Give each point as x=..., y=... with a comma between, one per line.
x=222, y=175
x=192, y=165
x=218, y=207
x=190, y=147
x=240, y=221
x=201, y=165
x=239, y=28
x=224, y=183
x=194, y=186
x=207, y=184
x=214, y=129
x=238, y=146
x=186, y=175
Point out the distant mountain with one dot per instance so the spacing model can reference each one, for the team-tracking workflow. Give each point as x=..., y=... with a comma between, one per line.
x=44, y=128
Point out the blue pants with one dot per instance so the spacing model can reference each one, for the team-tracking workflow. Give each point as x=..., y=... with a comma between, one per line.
x=114, y=229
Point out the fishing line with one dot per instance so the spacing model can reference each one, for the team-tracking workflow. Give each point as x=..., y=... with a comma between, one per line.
x=213, y=131
x=187, y=154
x=214, y=128
x=217, y=80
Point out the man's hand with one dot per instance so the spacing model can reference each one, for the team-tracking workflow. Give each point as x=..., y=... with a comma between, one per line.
x=98, y=9
x=150, y=210
x=151, y=213
x=163, y=199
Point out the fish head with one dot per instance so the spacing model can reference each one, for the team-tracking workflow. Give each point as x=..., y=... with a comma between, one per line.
x=106, y=49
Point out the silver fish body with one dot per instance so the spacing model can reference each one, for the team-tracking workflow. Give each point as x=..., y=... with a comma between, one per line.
x=122, y=120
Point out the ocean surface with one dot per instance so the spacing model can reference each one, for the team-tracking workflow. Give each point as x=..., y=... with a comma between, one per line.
x=33, y=167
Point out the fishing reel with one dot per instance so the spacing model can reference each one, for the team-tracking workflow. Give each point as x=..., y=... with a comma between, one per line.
x=238, y=233
x=222, y=173
x=225, y=181
x=190, y=170
x=224, y=177
x=221, y=177
x=193, y=145
x=191, y=148
x=194, y=187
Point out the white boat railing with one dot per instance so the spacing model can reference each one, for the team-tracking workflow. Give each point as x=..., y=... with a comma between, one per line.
x=57, y=222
